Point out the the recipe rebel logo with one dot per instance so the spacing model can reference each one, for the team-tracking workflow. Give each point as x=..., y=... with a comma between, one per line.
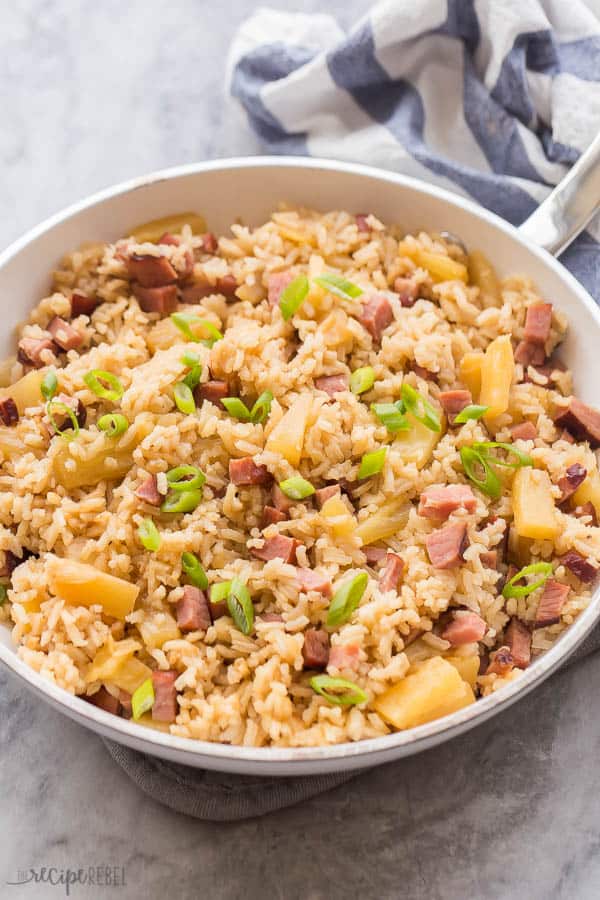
x=102, y=876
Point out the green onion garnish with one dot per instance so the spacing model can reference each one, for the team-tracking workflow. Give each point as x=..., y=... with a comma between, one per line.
x=49, y=385
x=184, y=399
x=239, y=604
x=56, y=406
x=261, y=409
x=346, y=599
x=184, y=321
x=511, y=589
x=339, y=286
x=392, y=416
x=181, y=501
x=420, y=408
x=479, y=471
x=220, y=591
x=470, y=412
x=362, y=380
x=148, y=535
x=104, y=385
x=194, y=571
x=142, y=699
x=190, y=359
x=293, y=296
x=523, y=459
x=185, y=478
x=372, y=463
x=296, y=487
x=236, y=408
x=192, y=379
x=3, y=594
x=338, y=691
x=114, y=424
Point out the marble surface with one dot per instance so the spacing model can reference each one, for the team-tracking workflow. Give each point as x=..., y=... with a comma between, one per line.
x=92, y=93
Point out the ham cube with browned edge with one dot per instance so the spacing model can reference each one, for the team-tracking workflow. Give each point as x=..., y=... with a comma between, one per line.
x=344, y=656
x=278, y=281
x=518, y=640
x=580, y=420
x=309, y=580
x=147, y=491
x=537, y=323
x=63, y=334
x=279, y=547
x=376, y=315
x=446, y=546
x=568, y=483
x=394, y=566
x=332, y=384
x=315, y=649
x=453, y=403
x=579, y=566
x=246, y=472
x=439, y=502
x=165, y=696
x=551, y=604
x=465, y=628
x=193, y=612
x=162, y=300
x=150, y=271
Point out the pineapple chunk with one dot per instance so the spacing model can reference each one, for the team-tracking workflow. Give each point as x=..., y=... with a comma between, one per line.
x=483, y=276
x=26, y=391
x=519, y=548
x=589, y=491
x=131, y=674
x=153, y=230
x=337, y=517
x=83, y=585
x=533, y=504
x=440, y=267
x=497, y=371
x=159, y=630
x=466, y=666
x=110, y=658
x=434, y=689
x=418, y=443
x=287, y=437
x=388, y=520
x=165, y=333
x=110, y=462
x=470, y=373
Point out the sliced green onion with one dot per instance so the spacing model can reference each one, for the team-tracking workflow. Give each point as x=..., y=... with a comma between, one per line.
x=372, y=463
x=339, y=286
x=511, y=589
x=236, y=408
x=56, y=406
x=293, y=296
x=49, y=385
x=296, y=487
x=185, y=478
x=392, y=416
x=346, y=599
x=362, y=380
x=113, y=424
x=192, y=379
x=3, y=594
x=181, y=501
x=184, y=399
x=149, y=535
x=220, y=591
x=184, y=321
x=470, y=412
x=194, y=571
x=479, y=471
x=523, y=459
x=261, y=409
x=338, y=691
x=97, y=381
x=190, y=359
x=239, y=604
x=142, y=699
x=420, y=408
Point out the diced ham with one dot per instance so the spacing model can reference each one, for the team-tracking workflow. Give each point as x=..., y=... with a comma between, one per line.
x=63, y=334
x=271, y=617
x=201, y=288
x=162, y=300
x=587, y=509
x=277, y=283
x=454, y=402
x=332, y=384
x=344, y=656
x=125, y=701
x=571, y=480
x=518, y=639
x=407, y=290
x=579, y=566
x=193, y=611
x=150, y=271
x=544, y=374
x=582, y=421
x=78, y=408
x=502, y=662
x=271, y=516
x=218, y=609
x=280, y=501
x=361, y=223
x=489, y=558
x=213, y=391
x=551, y=603
x=82, y=305
x=165, y=696
x=566, y=436
x=103, y=699
x=209, y=242
x=394, y=566
x=279, y=547
x=465, y=628
x=374, y=555
x=9, y=414
x=246, y=471
x=227, y=285
x=309, y=580
x=445, y=546
x=10, y=564
x=376, y=315
x=524, y=431
x=31, y=350
x=528, y=353
x=537, y=323
x=439, y=502
x=172, y=240
x=315, y=649
x=323, y=494
x=147, y=491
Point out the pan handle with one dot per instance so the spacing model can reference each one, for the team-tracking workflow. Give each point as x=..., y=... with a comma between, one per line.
x=559, y=219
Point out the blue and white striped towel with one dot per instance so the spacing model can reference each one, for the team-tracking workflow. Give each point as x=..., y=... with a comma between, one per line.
x=494, y=99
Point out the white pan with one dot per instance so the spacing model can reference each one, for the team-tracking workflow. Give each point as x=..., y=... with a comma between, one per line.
x=249, y=189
